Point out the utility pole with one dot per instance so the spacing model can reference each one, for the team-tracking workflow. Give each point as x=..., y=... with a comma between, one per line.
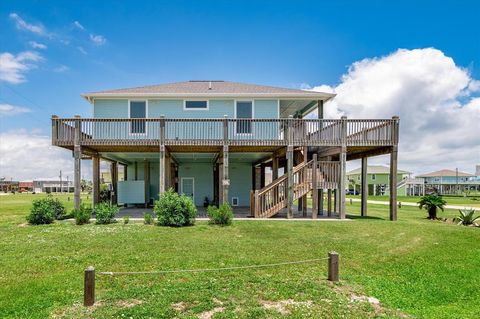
x=456, y=177
x=61, y=185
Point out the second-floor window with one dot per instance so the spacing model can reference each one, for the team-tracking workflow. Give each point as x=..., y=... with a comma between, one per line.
x=244, y=112
x=138, y=110
x=196, y=105
x=374, y=177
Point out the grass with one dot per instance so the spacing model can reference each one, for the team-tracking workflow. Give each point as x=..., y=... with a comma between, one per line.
x=471, y=201
x=415, y=267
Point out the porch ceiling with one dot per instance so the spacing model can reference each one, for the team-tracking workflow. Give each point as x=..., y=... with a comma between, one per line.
x=290, y=107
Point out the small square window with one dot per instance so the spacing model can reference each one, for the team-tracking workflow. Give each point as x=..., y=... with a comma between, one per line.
x=374, y=177
x=234, y=201
x=196, y=105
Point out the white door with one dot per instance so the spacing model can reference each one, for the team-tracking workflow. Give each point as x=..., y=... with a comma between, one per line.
x=188, y=187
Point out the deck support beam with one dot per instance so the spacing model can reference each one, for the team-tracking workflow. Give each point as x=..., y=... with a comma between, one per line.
x=329, y=202
x=77, y=156
x=314, y=188
x=343, y=168
x=393, y=170
x=225, y=180
x=162, y=166
x=96, y=179
x=290, y=181
x=146, y=181
x=364, y=187
x=320, y=201
x=114, y=174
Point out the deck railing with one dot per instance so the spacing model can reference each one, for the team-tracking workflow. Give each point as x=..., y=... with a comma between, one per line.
x=249, y=132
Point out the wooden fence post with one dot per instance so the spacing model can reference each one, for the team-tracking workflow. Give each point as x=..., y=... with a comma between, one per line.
x=89, y=287
x=333, y=266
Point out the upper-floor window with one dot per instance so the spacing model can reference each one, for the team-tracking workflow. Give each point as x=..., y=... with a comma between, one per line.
x=137, y=110
x=243, y=113
x=374, y=177
x=195, y=105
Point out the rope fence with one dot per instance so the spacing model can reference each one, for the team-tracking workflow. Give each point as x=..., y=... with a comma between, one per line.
x=89, y=276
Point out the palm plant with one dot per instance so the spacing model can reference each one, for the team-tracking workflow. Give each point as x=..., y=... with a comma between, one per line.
x=431, y=203
x=466, y=217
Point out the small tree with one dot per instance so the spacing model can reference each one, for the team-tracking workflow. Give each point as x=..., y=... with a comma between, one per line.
x=175, y=210
x=431, y=203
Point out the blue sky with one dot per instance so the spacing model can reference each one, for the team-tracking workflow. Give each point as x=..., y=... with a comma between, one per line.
x=81, y=46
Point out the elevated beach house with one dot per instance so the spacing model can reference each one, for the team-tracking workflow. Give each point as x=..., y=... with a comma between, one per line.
x=218, y=140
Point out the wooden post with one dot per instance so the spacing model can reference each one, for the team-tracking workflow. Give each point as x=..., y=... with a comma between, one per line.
x=314, y=188
x=226, y=180
x=274, y=167
x=320, y=201
x=393, y=170
x=146, y=181
x=77, y=155
x=320, y=109
x=364, y=187
x=335, y=201
x=329, y=202
x=114, y=173
x=162, y=167
x=333, y=266
x=343, y=168
x=89, y=287
x=262, y=175
x=96, y=179
x=290, y=181
x=54, y=128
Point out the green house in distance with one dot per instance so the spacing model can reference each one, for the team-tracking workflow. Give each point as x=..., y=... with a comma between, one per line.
x=378, y=179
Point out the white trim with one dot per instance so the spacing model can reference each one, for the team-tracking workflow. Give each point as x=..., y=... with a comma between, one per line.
x=235, y=114
x=146, y=116
x=193, y=187
x=278, y=108
x=196, y=109
x=238, y=201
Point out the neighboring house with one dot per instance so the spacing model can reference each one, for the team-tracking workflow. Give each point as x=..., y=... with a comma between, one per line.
x=7, y=186
x=53, y=186
x=378, y=179
x=25, y=186
x=447, y=181
x=220, y=140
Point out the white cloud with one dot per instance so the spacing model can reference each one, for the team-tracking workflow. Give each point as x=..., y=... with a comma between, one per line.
x=82, y=50
x=11, y=110
x=14, y=67
x=78, y=25
x=37, y=45
x=435, y=99
x=98, y=39
x=29, y=155
x=61, y=69
x=23, y=25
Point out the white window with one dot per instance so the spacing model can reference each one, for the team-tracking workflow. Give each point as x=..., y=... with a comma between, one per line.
x=195, y=105
x=234, y=201
x=137, y=110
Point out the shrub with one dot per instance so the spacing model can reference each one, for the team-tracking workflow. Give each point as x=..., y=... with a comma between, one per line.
x=105, y=213
x=57, y=207
x=466, y=217
x=147, y=219
x=175, y=210
x=126, y=219
x=41, y=212
x=431, y=203
x=220, y=216
x=82, y=215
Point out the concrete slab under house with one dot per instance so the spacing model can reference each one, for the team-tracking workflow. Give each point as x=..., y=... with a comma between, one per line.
x=256, y=147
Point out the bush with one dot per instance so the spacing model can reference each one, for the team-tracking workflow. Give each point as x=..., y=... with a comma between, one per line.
x=41, y=212
x=431, y=203
x=220, y=216
x=175, y=210
x=467, y=217
x=105, y=213
x=126, y=219
x=82, y=215
x=147, y=219
x=57, y=207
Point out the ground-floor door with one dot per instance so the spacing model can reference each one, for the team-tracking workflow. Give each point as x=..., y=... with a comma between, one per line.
x=188, y=187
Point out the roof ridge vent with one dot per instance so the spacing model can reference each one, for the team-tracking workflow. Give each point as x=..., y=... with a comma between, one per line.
x=210, y=85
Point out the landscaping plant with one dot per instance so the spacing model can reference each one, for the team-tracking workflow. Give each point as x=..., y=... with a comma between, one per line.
x=105, y=213
x=126, y=219
x=147, y=219
x=467, y=217
x=222, y=215
x=175, y=210
x=82, y=215
x=42, y=211
x=431, y=203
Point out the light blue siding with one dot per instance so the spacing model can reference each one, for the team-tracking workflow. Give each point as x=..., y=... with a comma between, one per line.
x=203, y=179
x=266, y=109
x=240, y=175
x=110, y=109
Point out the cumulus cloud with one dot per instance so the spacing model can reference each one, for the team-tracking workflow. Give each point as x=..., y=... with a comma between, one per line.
x=437, y=102
x=37, y=45
x=13, y=67
x=98, y=39
x=21, y=24
x=27, y=155
x=12, y=110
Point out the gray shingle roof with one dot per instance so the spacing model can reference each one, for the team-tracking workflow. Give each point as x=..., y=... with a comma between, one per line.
x=209, y=88
x=445, y=173
x=376, y=169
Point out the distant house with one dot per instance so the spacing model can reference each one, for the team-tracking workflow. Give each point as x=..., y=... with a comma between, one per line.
x=8, y=186
x=47, y=186
x=24, y=187
x=447, y=181
x=222, y=140
x=378, y=179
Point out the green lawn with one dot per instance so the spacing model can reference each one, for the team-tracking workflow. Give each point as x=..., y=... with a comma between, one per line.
x=415, y=267
x=471, y=201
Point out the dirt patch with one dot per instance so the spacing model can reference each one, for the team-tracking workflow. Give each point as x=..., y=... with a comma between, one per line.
x=180, y=306
x=209, y=314
x=75, y=310
x=128, y=303
x=284, y=306
x=22, y=225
